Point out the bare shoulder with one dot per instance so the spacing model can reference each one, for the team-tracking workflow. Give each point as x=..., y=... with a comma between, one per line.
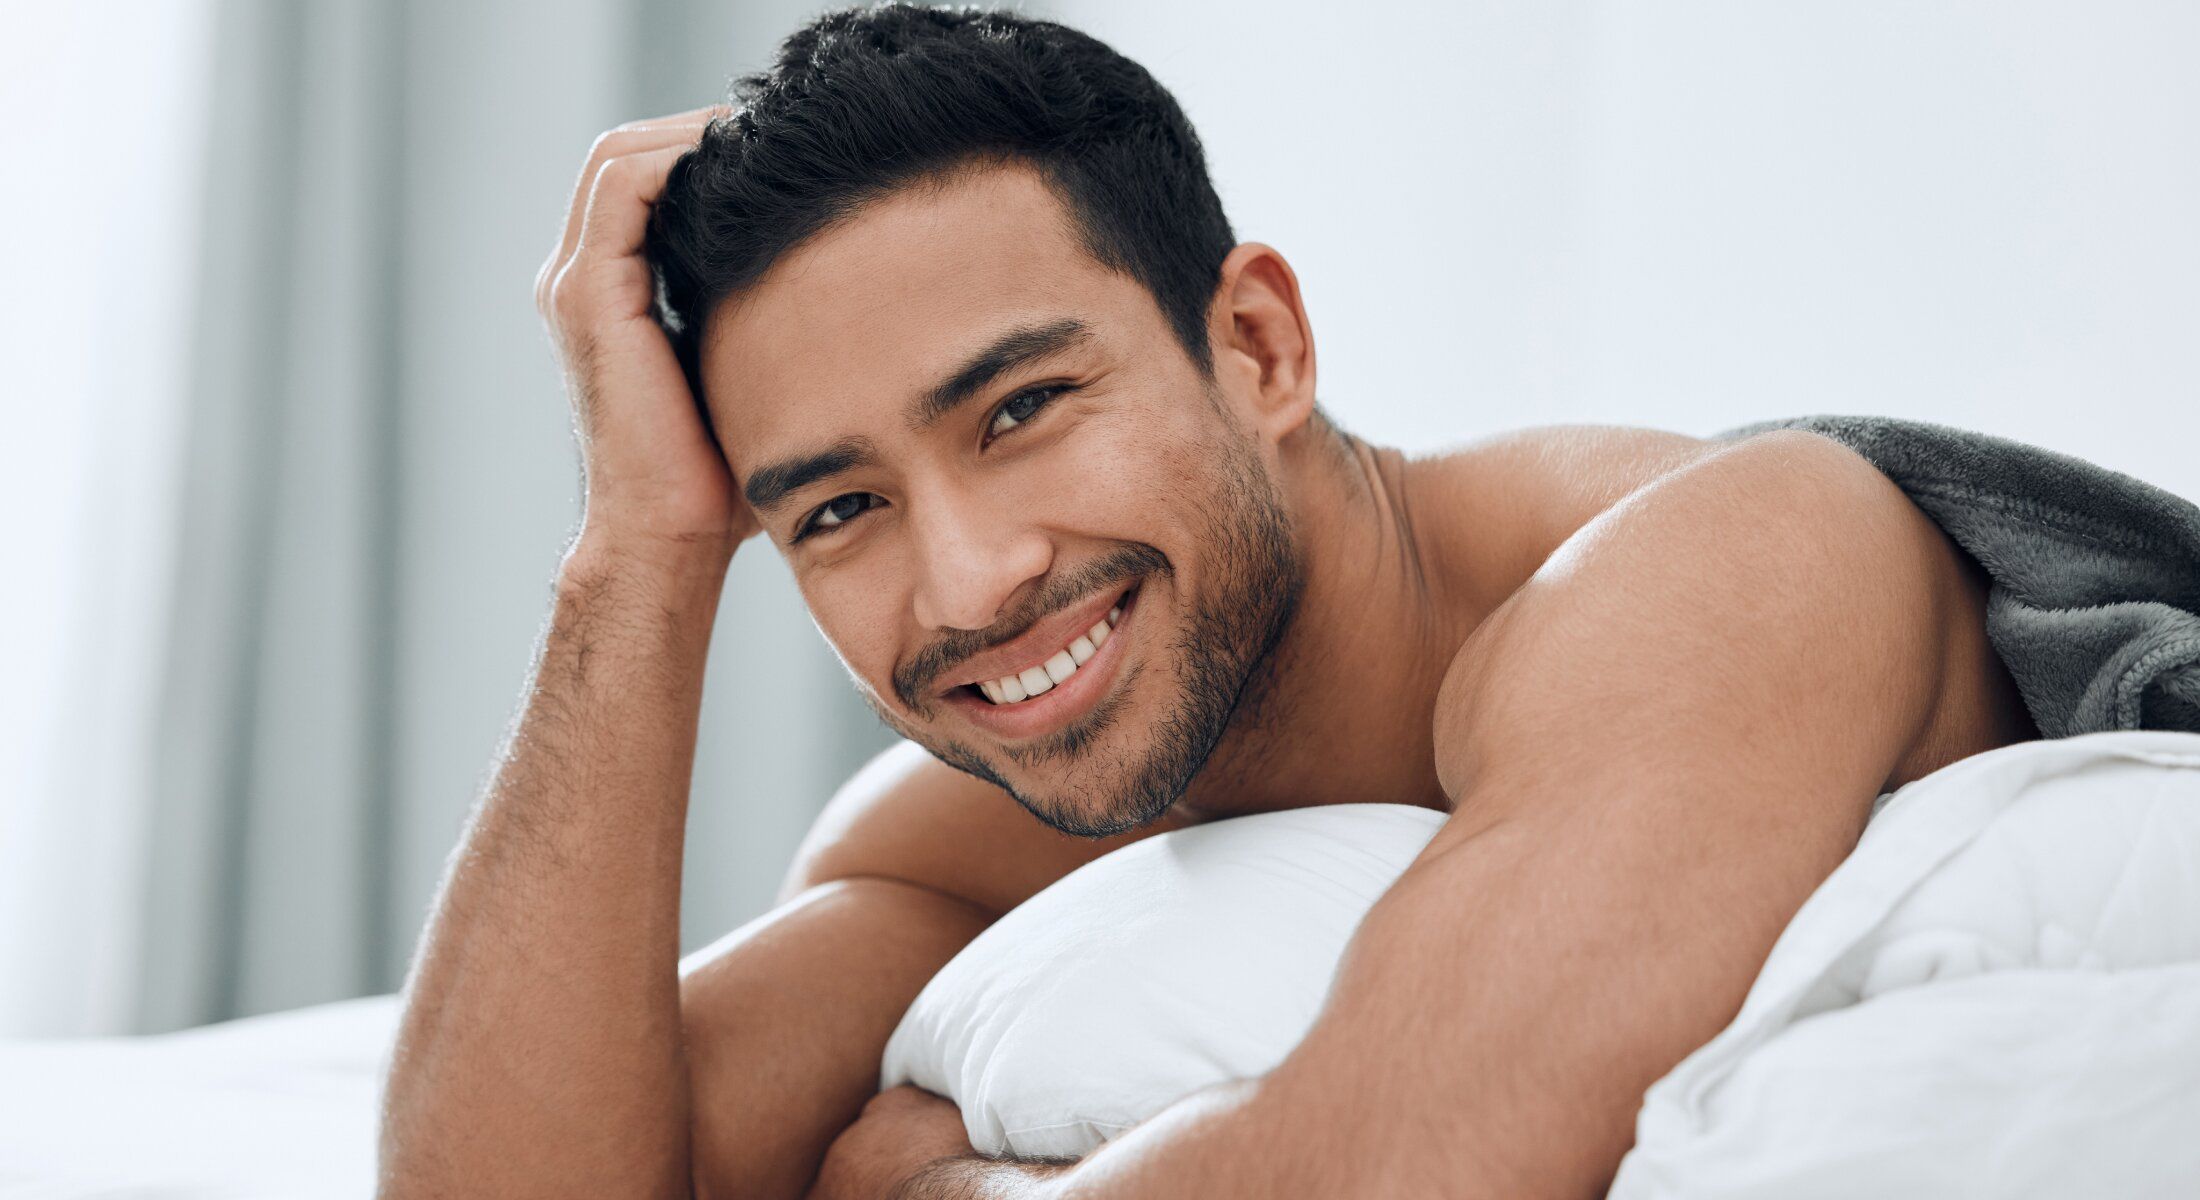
x=1494, y=508
x=908, y=816
x=1763, y=578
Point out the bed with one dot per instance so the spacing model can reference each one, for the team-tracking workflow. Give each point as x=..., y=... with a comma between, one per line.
x=279, y=1106
x=1997, y=994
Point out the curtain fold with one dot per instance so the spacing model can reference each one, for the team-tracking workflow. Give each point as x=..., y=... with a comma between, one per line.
x=267, y=876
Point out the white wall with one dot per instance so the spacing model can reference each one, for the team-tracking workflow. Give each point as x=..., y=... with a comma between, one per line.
x=1692, y=215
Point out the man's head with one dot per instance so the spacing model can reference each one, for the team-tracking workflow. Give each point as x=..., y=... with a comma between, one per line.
x=971, y=326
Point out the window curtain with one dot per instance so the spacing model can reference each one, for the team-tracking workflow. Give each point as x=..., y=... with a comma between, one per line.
x=104, y=113
x=314, y=530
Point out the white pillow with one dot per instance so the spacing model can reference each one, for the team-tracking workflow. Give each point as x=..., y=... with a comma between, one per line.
x=1177, y=962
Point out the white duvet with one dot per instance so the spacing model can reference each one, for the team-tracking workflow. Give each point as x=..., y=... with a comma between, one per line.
x=1997, y=994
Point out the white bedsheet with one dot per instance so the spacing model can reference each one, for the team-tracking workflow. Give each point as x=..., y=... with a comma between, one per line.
x=280, y=1107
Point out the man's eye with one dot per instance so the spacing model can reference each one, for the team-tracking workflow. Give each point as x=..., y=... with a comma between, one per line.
x=1021, y=407
x=835, y=513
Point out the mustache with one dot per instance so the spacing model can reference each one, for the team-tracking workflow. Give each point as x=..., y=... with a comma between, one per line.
x=913, y=679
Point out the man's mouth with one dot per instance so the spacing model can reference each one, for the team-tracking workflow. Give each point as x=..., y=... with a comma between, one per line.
x=1048, y=669
x=1057, y=671
x=1041, y=677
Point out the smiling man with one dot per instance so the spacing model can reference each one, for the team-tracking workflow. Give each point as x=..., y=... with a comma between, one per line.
x=949, y=312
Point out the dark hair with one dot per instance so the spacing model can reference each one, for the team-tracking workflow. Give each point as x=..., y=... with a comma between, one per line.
x=863, y=101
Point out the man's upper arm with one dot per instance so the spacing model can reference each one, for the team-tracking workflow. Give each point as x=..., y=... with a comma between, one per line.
x=908, y=816
x=1657, y=749
x=1779, y=594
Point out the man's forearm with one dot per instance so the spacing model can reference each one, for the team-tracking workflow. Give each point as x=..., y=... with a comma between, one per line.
x=980, y=1178
x=1231, y=1140
x=540, y=1051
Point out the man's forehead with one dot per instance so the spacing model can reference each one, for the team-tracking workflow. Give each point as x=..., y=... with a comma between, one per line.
x=868, y=312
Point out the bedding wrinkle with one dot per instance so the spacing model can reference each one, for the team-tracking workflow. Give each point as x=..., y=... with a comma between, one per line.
x=1994, y=995
x=2125, y=908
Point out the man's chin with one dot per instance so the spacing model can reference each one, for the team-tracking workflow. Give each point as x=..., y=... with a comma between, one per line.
x=1087, y=820
x=1079, y=815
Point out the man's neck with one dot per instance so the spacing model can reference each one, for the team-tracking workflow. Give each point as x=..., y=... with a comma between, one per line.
x=1341, y=712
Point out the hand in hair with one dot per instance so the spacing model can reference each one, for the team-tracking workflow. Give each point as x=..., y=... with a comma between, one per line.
x=655, y=481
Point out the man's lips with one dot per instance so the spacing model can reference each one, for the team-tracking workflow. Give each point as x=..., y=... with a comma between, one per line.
x=1037, y=644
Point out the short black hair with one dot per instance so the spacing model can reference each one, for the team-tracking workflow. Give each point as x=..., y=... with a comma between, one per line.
x=864, y=101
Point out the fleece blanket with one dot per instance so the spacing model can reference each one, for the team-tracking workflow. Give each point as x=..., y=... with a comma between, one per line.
x=2095, y=596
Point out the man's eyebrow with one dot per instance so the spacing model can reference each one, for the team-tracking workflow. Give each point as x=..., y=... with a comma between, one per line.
x=769, y=487
x=1018, y=347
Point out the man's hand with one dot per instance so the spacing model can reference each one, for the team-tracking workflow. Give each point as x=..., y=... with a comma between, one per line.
x=654, y=477
x=902, y=1131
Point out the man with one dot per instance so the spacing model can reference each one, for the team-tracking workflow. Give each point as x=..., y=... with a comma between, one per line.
x=951, y=314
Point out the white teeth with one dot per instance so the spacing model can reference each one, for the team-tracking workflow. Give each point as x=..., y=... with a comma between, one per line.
x=1033, y=681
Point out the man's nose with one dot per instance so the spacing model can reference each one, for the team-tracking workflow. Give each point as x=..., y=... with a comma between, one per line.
x=973, y=552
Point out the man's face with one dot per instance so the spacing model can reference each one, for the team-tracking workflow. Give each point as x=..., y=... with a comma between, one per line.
x=954, y=541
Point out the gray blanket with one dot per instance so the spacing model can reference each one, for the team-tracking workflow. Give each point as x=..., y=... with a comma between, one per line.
x=2095, y=597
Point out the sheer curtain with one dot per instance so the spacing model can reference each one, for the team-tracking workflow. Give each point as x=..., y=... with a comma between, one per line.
x=302, y=468
x=105, y=121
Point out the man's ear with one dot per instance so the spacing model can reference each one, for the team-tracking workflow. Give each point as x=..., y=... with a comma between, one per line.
x=1264, y=346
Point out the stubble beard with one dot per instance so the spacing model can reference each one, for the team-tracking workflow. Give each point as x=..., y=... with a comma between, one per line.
x=1224, y=645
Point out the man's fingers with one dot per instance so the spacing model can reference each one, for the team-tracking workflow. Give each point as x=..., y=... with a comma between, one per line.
x=693, y=116
x=617, y=217
x=680, y=129
x=609, y=146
